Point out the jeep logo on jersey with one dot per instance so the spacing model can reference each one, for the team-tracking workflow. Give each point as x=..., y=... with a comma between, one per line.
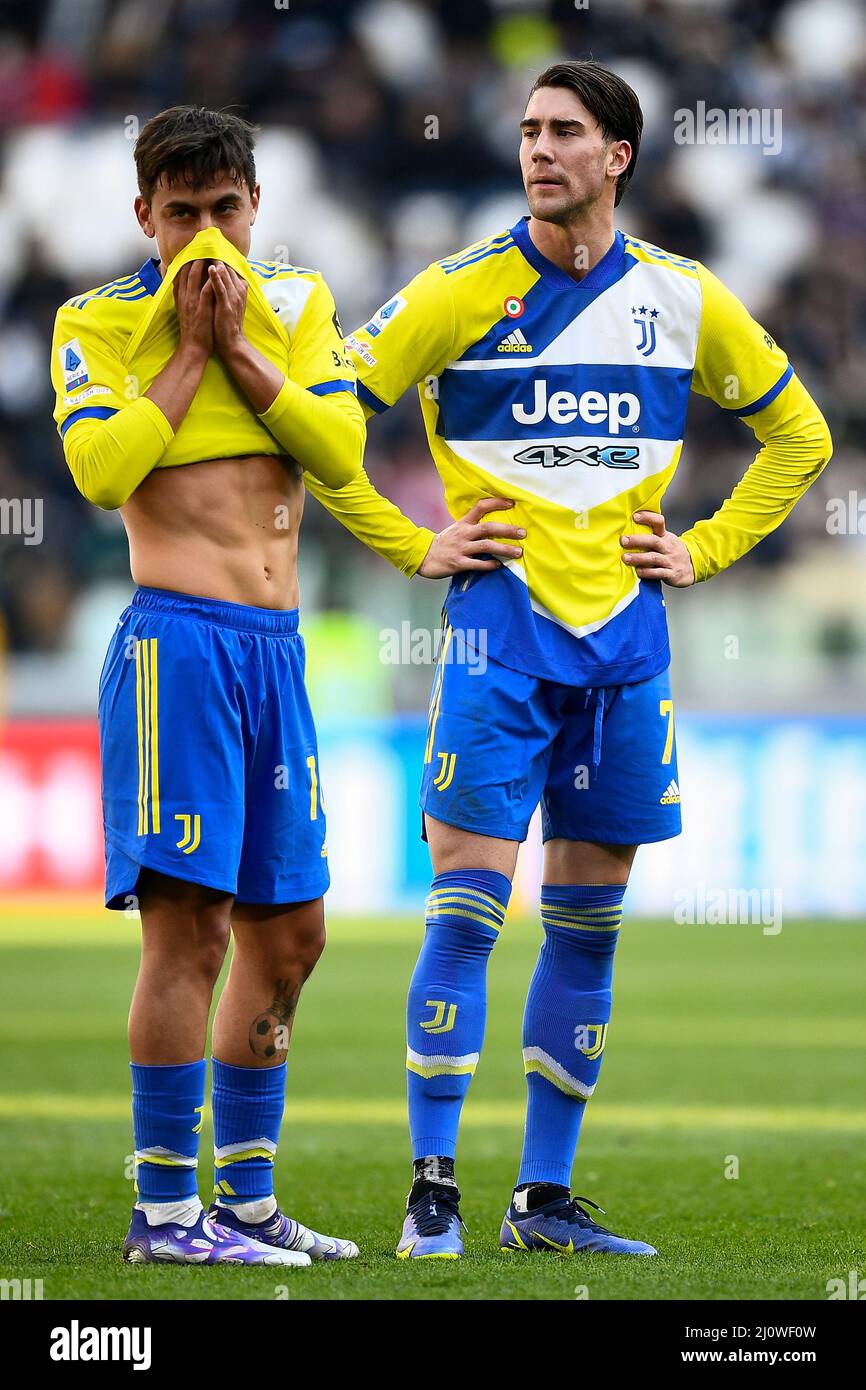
x=560, y=455
x=615, y=410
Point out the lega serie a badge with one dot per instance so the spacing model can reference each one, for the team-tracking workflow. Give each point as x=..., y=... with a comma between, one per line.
x=384, y=315
x=72, y=364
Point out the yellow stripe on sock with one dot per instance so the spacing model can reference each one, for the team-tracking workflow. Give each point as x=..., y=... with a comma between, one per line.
x=241, y=1155
x=534, y=1065
x=426, y=1069
x=578, y=907
x=466, y=895
x=163, y=1161
x=476, y=917
x=450, y=904
x=602, y=919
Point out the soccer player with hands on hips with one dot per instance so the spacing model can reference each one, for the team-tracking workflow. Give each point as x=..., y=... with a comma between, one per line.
x=554, y=362
x=198, y=396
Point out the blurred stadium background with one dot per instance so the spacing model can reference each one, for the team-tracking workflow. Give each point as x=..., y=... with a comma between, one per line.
x=769, y=660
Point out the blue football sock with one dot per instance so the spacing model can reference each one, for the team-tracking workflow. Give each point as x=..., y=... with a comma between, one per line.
x=167, y=1105
x=565, y=1023
x=248, y=1105
x=447, y=1003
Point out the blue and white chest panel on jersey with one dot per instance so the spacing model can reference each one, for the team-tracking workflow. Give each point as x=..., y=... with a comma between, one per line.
x=576, y=397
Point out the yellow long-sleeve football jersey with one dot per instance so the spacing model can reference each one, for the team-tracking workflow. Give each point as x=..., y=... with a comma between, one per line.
x=111, y=343
x=570, y=397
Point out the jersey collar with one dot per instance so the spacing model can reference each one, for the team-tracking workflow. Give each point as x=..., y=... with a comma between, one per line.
x=603, y=273
x=149, y=275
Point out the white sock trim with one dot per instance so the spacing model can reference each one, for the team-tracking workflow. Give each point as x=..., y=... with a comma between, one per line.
x=184, y=1213
x=259, y=1210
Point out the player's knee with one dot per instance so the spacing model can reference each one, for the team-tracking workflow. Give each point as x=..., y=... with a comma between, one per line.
x=454, y=850
x=307, y=947
x=281, y=944
x=186, y=926
x=211, y=944
x=198, y=951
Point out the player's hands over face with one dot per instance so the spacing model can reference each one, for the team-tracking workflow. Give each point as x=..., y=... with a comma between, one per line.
x=230, y=303
x=659, y=556
x=460, y=546
x=194, y=301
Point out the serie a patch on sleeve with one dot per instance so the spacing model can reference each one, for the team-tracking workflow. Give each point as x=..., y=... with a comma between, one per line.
x=383, y=316
x=72, y=364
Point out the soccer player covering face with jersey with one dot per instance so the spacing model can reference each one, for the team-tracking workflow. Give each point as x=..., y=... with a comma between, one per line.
x=554, y=363
x=198, y=395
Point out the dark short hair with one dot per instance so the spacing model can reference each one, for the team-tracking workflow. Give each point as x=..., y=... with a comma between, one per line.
x=192, y=145
x=610, y=99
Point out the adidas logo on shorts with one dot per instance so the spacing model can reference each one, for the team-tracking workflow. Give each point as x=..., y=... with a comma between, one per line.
x=671, y=795
x=515, y=342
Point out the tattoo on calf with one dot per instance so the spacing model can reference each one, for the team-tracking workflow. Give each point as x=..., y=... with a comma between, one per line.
x=270, y=1031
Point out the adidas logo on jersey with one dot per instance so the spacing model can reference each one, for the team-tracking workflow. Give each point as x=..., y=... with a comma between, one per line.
x=515, y=342
x=671, y=796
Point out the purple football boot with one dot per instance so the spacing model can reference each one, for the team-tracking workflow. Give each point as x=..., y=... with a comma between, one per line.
x=285, y=1234
x=565, y=1226
x=205, y=1243
x=431, y=1230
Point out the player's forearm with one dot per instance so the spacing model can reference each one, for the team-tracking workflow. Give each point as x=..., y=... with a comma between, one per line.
x=796, y=447
x=108, y=459
x=258, y=377
x=326, y=434
x=174, y=389
x=375, y=521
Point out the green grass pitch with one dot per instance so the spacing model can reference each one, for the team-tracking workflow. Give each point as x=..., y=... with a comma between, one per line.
x=726, y=1048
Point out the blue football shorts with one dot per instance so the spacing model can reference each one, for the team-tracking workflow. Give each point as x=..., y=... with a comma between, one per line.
x=602, y=762
x=210, y=769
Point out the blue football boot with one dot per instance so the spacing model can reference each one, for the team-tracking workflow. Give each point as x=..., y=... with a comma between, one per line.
x=205, y=1243
x=565, y=1226
x=431, y=1230
x=281, y=1231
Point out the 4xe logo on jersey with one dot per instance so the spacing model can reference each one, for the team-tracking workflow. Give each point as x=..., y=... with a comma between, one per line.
x=560, y=455
x=611, y=412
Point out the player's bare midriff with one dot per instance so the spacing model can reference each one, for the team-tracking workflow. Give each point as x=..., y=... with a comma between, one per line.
x=224, y=529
